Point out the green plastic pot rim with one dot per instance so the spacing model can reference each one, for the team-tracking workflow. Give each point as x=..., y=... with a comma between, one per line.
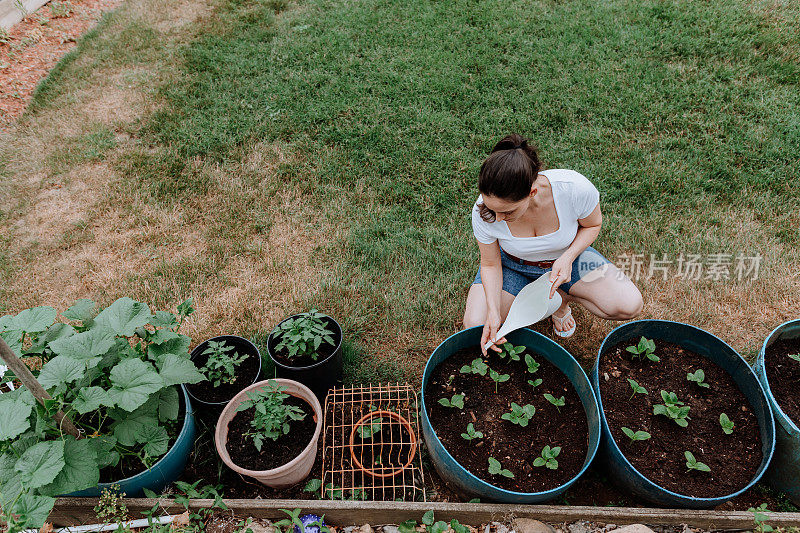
x=613, y=442
x=762, y=357
x=312, y=366
x=590, y=453
x=182, y=433
x=255, y=378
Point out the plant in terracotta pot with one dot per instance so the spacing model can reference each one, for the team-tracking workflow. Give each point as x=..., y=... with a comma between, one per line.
x=307, y=347
x=229, y=363
x=273, y=427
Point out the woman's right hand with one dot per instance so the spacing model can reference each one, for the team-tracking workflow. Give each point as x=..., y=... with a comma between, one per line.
x=490, y=327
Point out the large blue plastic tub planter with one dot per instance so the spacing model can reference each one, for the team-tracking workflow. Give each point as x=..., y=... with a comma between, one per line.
x=704, y=344
x=458, y=476
x=165, y=471
x=784, y=473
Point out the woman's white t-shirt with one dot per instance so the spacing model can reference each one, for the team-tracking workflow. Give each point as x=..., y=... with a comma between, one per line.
x=574, y=196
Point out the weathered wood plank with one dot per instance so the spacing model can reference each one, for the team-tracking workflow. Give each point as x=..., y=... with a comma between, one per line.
x=69, y=511
x=10, y=13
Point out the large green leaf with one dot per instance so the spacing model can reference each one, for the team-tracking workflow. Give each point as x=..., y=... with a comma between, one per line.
x=82, y=310
x=178, y=345
x=53, y=333
x=134, y=381
x=40, y=463
x=13, y=338
x=7, y=461
x=86, y=345
x=168, y=404
x=155, y=439
x=62, y=369
x=14, y=414
x=176, y=370
x=90, y=399
x=80, y=468
x=124, y=316
x=164, y=319
x=103, y=447
x=35, y=320
x=9, y=491
x=33, y=510
x=128, y=430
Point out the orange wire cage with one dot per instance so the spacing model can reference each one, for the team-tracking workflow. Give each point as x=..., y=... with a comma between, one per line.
x=371, y=444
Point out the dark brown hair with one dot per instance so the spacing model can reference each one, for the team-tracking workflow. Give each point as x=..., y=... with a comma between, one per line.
x=509, y=172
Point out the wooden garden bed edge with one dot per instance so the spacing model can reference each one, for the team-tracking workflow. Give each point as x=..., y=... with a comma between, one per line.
x=71, y=511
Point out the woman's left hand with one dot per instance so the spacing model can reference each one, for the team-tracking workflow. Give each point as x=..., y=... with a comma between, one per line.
x=561, y=273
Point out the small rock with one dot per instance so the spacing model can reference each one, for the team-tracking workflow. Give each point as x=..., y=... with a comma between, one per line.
x=529, y=525
x=390, y=529
x=635, y=528
x=606, y=376
x=744, y=408
x=366, y=528
x=580, y=527
x=261, y=528
x=616, y=373
x=349, y=529
x=500, y=528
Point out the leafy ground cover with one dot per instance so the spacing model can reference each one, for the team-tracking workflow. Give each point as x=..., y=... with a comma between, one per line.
x=268, y=157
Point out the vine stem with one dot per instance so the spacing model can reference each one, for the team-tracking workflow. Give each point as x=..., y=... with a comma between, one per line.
x=24, y=374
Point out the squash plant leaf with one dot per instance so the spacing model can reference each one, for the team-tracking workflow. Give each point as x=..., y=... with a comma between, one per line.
x=80, y=468
x=34, y=320
x=156, y=440
x=82, y=310
x=124, y=316
x=55, y=332
x=90, y=399
x=168, y=404
x=14, y=412
x=134, y=381
x=41, y=463
x=86, y=345
x=130, y=426
x=61, y=369
x=176, y=369
x=31, y=510
x=178, y=345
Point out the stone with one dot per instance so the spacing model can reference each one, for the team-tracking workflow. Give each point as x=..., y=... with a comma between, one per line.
x=390, y=529
x=634, y=528
x=529, y=525
x=580, y=527
x=261, y=528
x=366, y=528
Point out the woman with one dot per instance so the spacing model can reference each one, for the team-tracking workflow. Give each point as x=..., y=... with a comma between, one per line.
x=529, y=222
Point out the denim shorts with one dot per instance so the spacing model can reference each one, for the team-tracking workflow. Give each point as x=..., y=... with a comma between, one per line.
x=517, y=275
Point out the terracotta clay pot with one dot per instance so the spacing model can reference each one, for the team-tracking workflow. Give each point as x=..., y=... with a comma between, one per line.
x=295, y=470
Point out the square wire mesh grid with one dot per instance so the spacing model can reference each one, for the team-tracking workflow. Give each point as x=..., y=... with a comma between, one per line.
x=372, y=425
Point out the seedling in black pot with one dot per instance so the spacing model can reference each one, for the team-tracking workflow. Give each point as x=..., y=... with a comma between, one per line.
x=495, y=468
x=548, y=457
x=636, y=435
x=456, y=401
x=726, y=423
x=645, y=348
x=672, y=409
x=498, y=378
x=477, y=367
x=471, y=433
x=519, y=415
x=694, y=464
x=637, y=389
x=698, y=376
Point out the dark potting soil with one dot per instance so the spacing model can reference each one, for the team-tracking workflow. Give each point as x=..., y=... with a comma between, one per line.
x=245, y=376
x=733, y=459
x=273, y=453
x=515, y=447
x=384, y=452
x=783, y=373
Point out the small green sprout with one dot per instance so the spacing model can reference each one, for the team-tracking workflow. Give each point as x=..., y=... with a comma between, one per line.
x=558, y=402
x=671, y=409
x=535, y=382
x=471, y=433
x=760, y=517
x=511, y=351
x=456, y=401
x=726, y=423
x=531, y=363
x=636, y=435
x=495, y=468
x=477, y=367
x=519, y=415
x=366, y=431
x=646, y=348
x=694, y=464
x=795, y=356
x=637, y=389
x=698, y=378
x=548, y=457
x=498, y=378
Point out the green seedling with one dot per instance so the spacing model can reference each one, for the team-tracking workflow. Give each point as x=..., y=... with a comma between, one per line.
x=303, y=335
x=548, y=457
x=519, y=415
x=672, y=409
x=221, y=365
x=535, y=382
x=698, y=378
x=760, y=518
x=366, y=431
x=497, y=378
x=511, y=351
x=636, y=435
x=456, y=401
x=471, y=433
x=645, y=348
x=270, y=415
x=795, y=356
x=495, y=468
x=477, y=367
x=694, y=464
x=637, y=389
x=558, y=402
x=726, y=423
x=531, y=363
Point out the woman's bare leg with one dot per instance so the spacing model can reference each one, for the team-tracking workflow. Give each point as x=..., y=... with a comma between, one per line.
x=476, y=308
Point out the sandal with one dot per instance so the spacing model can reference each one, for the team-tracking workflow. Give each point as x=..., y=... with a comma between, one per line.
x=561, y=320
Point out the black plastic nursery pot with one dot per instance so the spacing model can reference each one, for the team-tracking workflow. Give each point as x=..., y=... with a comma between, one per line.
x=321, y=376
x=241, y=345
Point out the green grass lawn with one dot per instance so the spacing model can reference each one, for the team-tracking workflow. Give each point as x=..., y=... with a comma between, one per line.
x=684, y=114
